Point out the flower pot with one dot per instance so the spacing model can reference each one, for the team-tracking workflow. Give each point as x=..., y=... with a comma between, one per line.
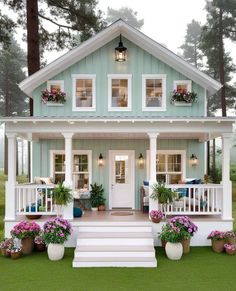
x=55, y=251
x=40, y=247
x=5, y=253
x=101, y=208
x=27, y=245
x=155, y=220
x=186, y=245
x=218, y=245
x=232, y=240
x=15, y=255
x=163, y=243
x=174, y=251
x=230, y=252
x=94, y=208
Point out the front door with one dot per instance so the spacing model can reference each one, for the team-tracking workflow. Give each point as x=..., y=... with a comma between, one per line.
x=121, y=179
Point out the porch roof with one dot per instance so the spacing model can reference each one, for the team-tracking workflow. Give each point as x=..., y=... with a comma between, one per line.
x=201, y=128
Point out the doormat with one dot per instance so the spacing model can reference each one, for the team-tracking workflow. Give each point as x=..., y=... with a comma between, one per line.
x=121, y=213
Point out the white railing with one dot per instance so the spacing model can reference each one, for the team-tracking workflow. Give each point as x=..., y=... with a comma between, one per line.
x=202, y=199
x=34, y=199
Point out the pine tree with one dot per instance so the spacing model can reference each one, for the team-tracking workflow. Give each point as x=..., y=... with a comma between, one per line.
x=7, y=27
x=127, y=14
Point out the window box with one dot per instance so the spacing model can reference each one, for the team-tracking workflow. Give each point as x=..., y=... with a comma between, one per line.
x=182, y=103
x=54, y=104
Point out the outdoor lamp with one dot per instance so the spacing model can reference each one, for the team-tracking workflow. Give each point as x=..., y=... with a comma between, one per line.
x=193, y=160
x=141, y=161
x=120, y=52
x=100, y=160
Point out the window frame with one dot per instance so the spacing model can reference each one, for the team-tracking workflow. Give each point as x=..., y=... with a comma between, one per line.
x=183, y=82
x=55, y=82
x=153, y=76
x=109, y=82
x=83, y=77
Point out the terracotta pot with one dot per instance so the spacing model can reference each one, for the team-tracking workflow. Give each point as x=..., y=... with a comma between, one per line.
x=40, y=247
x=155, y=220
x=15, y=255
x=174, y=251
x=27, y=245
x=163, y=243
x=101, y=208
x=5, y=253
x=232, y=240
x=56, y=252
x=230, y=252
x=218, y=245
x=186, y=245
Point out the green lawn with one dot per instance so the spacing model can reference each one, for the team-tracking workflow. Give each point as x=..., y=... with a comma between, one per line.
x=200, y=270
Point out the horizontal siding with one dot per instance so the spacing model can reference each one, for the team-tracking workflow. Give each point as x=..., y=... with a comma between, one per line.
x=41, y=157
x=101, y=63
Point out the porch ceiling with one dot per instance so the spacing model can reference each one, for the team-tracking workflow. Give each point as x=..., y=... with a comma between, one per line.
x=201, y=128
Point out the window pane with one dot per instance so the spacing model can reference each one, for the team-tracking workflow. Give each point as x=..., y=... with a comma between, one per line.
x=55, y=87
x=161, y=167
x=174, y=178
x=153, y=92
x=59, y=178
x=174, y=163
x=121, y=169
x=161, y=178
x=182, y=87
x=119, y=92
x=81, y=163
x=59, y=165
x=84, y=93
x=81, y=182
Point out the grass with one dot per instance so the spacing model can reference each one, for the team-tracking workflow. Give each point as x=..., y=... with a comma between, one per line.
x=200, y=270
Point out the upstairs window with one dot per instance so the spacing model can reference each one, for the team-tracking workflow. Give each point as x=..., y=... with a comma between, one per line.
x=183, y=85
x=119, y=92
x=55, y=85
x=154, y=92
x=84, y=93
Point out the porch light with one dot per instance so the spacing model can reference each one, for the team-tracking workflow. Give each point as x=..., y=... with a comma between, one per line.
x=141, y=161
x=120, y=52
x=100, y=160
x=193, y=160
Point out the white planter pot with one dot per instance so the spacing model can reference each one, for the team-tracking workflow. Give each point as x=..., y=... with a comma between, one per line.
x=94, y=208
x=55, y=252
x=174, y=251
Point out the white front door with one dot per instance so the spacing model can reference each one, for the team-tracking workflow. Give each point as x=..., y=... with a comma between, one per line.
x=121, y=179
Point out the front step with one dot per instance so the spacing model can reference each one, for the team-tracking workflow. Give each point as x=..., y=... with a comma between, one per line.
x=115, y=246
x=114, y=251
x=115, y=262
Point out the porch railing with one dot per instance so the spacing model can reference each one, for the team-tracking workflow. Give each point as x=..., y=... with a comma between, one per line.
x=203, y=199
x=34, y=199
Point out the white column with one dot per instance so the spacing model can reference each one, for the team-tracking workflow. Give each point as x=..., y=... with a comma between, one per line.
x=68, y=210
x=227, y=184
x=10, y=203
x=152, y=166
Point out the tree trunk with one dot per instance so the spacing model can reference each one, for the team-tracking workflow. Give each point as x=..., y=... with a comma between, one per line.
x=33, y=56
x=221, y=64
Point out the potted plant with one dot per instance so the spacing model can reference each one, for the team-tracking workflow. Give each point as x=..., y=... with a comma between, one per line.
x=230, y=237
x=39, y=242
x=62, y=197
x=53, y=96
x=5, y=246
x=217, y=240
x=15, y=249
x=156, y=215
x=162, y=194
x=56, y=232
x=183, y=97
x=230, y=249
x=172, y=235
x=96, y=196
x=187, y=229
x=26, y=231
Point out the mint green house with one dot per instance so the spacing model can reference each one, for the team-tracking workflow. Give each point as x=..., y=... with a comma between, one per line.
x=120, y=126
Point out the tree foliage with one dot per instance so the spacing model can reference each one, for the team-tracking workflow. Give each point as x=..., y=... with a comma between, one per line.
x=191, y=46
x=12, y=62
x=127, y=14
x=7, y=27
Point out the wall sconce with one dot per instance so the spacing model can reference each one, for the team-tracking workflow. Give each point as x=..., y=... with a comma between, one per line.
x=193, y=160
x=120, y=52
x=100, y=160
x=141, y=161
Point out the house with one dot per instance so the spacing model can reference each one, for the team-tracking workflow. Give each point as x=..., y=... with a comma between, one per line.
x=119, y=127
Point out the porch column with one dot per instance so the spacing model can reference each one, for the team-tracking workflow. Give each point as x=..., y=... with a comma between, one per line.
x=227, y=184
x=68, y=210
x=10, y=196
x=152, y=166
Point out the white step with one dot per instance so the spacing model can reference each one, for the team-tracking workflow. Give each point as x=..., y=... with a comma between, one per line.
x=115, y=229
x=115, y=251
x=114, y=238
x=114, y=262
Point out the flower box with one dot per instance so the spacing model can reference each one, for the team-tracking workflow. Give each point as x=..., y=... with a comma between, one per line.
x=53, y=97
x=54, y=104
x=182, y=103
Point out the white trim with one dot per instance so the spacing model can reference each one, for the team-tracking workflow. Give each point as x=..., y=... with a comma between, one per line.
x=74, y=152
x=169, y=152
x=55, y=82
x=205, y=102
x=154, y=76
x=84, y=77
x=183, y=82
x=131, y=154
x=110, y=77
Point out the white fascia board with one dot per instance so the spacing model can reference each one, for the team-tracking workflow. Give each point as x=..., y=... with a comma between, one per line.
x=103, y=37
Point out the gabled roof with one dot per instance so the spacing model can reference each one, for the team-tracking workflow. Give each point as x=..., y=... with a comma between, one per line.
x=107, y=35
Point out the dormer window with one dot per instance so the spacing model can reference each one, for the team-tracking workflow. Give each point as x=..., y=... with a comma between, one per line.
x=84, y=92
x=183, y=85
x=57, y=85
